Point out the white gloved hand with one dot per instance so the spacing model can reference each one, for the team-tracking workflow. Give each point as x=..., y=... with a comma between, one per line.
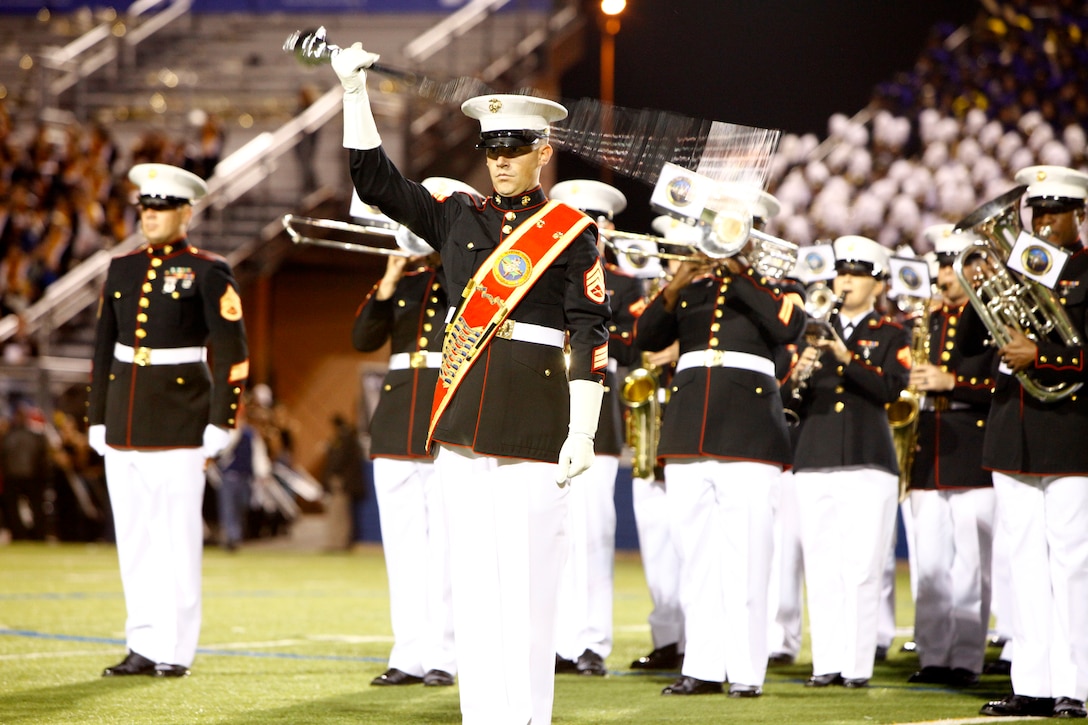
x=349, y=64
x=215, y=440
x=96, y=438
x=576, y=455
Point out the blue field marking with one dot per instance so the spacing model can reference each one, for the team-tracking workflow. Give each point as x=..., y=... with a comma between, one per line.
x=30, y=634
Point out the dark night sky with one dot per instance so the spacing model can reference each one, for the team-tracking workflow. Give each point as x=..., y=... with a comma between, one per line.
x=787, y=64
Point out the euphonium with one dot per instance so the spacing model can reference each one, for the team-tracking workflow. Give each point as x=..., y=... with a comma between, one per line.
x=903, y=413
x=639, y=394
x=1003, y=298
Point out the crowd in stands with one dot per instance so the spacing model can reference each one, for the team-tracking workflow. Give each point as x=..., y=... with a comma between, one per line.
x=1008, y=91
x=64, y=195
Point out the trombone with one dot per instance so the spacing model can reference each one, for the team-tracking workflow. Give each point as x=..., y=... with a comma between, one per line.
x=409, y=245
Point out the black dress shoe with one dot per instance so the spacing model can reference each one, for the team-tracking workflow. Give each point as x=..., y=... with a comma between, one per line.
x=132, y=664
x=997, y=667
x=393, y=676
x=1069, y=707
x=662, y=658
x=780, y=659
x=962, y=677
x=881, y=653
x=437, y=678
x=932, y=675
x=590, y=664
x=855, y=683
x=164, y=670
x=691, y=686
x=1019, y=706
x=745, y=690
x=825, y=680
x=565, y=666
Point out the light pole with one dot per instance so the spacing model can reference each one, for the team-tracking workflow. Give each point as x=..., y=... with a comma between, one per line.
x=610, y=26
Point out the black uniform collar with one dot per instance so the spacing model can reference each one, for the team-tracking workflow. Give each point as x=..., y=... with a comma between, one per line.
x=169, y=248
x=521, y=202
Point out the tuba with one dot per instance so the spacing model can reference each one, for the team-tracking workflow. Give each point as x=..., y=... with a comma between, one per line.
x=903, y=413
x=1003, y=298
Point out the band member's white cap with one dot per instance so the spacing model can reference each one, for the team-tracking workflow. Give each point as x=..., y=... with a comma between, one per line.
x=855, y=253
x=595, y=198
x=171, y=183
x=1054, y=187
x=508, y=120
x=947, y=242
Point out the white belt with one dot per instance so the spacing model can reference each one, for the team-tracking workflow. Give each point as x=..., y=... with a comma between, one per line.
x=527, y=332
x=159, y=356
x=930, y=405
x=725, y=359
x=524, y=332
x=419, y=359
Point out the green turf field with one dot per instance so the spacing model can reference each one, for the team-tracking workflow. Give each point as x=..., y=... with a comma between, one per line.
x=295, y=637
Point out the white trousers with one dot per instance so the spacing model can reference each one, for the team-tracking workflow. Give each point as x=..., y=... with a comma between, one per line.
x=157, y=499
x=847, y=524
x=585, y=594
x=953, y=538
x=506, y=520
x=1044, y=520
x=721, y=520
x=785, y=594
x=413, y=521
x=660, y=562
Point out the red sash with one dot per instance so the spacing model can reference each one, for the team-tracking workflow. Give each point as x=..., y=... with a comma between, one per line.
x=495, y=290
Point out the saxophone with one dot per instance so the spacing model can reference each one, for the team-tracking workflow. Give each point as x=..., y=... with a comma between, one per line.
x=639, y=395
x=903, y=413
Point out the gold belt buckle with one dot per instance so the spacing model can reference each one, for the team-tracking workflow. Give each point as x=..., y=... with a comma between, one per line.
x=714, y=358
x=141, y=356
x=506, y=330
x=417, y=359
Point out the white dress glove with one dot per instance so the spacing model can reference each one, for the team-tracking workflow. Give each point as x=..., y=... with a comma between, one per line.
x=215, y=440
x=96, y=438
x=349, y=64
x=576, y=455
x=360, y=131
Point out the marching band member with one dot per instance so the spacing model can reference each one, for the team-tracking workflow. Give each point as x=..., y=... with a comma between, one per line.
x=585, y=600
x=845, y=467
x=524, y=271
x=1039, y=461
x=951, y=496
x=157, y=413
x=407, y=309
x=724, y=442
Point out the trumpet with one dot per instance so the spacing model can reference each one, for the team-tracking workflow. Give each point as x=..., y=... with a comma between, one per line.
x=409, y=245
x=1004, y=299
x=822, y=307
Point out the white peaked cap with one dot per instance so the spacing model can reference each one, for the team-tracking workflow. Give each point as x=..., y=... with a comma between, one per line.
x=590, y=195
x=1053, y=182
x=443, y=186
x=674, y=230
x=854, y=248
x=510, y=112
x=168, y=182
x=945, y=240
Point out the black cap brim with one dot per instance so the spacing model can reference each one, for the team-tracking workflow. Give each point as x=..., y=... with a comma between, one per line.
x=1055, y=204
x=854, y=266
x=509, y=139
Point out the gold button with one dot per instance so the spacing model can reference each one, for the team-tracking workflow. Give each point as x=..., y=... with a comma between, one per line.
x=400, y=303
x=511, y=216
x=980, y=424
x=427, y=327
x=146, y=287
x=156, y=262
x=720, y=300
x=388, y=387
x=434, y=299
x=839, y=389
x=181, y=381
x=233, y=406
x=430, y=313
x=547, y=373
x=713, y=342
x=625, y=335
x=952, y=320
x=683, y=303
x=1059, y=359
x=607, y=389
x=116, y=295
x=839, y=369
x=237, y=391
x=1042, y=358
x=718, y=313
x=715, y=327
x=141, y=334
x=506, y=228
x=946, y=355
x=470, y=245
x=167, y=249
x=112, y=376
x=435, y=286
x=951, y=333
x=142, y=317
x=1062, y=300
x=423, y=342
x=759, y=391
x=144, y=302
x=949, y=345
x=230, y=421
x=973, y=380
x=839, y=406
x=176, y=296
x=151, y=274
